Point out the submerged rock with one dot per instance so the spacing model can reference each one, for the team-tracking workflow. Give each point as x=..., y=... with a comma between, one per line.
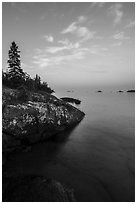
x=35, y=189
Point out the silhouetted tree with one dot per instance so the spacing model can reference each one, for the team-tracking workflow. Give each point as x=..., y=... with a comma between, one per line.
x=37, y=82
x=16, y=75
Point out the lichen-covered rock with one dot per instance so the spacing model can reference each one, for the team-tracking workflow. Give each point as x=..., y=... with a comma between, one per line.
x=35, y=120
x=35, y=189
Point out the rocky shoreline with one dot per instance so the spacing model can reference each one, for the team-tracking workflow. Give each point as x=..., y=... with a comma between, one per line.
x=29, y=118
x=35, y=189
x=37, y=119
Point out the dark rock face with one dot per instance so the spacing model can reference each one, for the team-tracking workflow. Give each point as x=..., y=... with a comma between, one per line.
x=120, y=91
x=26, y=121
x=35, y=120
x=35, y=189
x=131, y=91
x=71, y=100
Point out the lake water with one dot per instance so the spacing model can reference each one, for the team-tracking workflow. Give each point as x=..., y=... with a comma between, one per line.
x=97, y=158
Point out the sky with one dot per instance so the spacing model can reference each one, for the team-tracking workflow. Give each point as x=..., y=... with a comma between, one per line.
x=73, y=44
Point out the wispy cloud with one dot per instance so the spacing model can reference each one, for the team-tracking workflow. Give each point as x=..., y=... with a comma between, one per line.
x=117, y=44
x=97, y=4
x=70, y=29
x=55, y=60
x=120, y=36
x=69, y=51
x=49, y=38
x=64, y=42
x=82, y=19
x=67, y=45
x=54, y=55
x=80, y=31
x=117, y=13
x=131, y=24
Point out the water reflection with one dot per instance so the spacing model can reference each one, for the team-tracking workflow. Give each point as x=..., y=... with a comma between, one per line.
x=96, y=158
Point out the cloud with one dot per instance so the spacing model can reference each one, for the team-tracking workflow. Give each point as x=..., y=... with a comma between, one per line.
x=55, y=60
x=67, y=45
x=131, y=24
x=97, y=4
x=78, y=30
x=117, y=44
x=116, y=11
x=64, y=42
x=83, y=31
x=82, y=19
x=49, y=38
x=54, y=55
x=56, y=49
x=120, y=36
x=63, y=54
x=70, y=29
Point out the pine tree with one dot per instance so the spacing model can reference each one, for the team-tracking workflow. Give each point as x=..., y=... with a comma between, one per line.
x=37, y=82
x=15, y=72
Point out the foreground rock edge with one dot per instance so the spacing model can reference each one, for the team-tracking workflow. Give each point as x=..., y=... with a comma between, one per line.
x=35, y=189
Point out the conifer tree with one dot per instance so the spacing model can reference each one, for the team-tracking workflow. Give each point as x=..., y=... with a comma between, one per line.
x=15, y=72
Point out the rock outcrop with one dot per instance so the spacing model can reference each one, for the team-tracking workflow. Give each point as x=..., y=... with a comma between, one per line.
x=35, y=189
x=71, y=100
x=37, y=119
x=131, y=91
x=29, y=118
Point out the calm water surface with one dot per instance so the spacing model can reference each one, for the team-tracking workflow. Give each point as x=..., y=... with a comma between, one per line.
x=96, y=159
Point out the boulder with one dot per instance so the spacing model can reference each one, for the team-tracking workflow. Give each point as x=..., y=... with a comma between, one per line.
x=35, y=120
x=35, y=189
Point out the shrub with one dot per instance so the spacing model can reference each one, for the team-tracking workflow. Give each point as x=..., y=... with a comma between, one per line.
x=23, y=94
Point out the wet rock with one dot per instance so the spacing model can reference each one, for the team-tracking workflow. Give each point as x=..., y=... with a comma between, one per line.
x=71, y=100
x=131, y=91
x=35, y=189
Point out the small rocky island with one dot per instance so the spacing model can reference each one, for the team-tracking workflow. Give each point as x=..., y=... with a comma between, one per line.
x=131, y=91
x=120, y=91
